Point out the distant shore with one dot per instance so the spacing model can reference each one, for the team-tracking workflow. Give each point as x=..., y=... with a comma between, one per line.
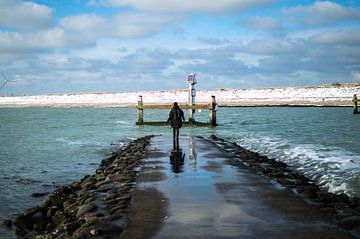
x=326, y=95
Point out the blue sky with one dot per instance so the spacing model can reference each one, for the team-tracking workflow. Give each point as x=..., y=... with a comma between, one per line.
x=55, y=46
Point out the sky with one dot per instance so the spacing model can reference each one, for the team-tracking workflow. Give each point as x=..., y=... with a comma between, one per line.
x=69, y=46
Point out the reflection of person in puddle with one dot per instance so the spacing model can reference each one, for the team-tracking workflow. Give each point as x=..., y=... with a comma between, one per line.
x=177, y=158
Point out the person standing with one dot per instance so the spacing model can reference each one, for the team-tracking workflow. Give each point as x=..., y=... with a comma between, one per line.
x=176, y=117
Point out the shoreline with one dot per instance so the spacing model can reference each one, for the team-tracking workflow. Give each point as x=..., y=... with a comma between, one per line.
x=286, y=96
x=99, y=205
x=337, y=104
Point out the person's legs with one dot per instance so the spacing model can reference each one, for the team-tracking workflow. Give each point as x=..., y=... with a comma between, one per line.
x=177, y=133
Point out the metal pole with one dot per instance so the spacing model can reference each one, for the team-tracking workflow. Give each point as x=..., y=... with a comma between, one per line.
x=140, y=109
x=191, y=103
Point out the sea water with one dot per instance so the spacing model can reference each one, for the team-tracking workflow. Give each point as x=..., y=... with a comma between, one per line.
x=43, y=148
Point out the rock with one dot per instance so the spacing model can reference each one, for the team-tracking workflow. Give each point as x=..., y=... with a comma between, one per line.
x=310, y=190
x=56, y=200
x=8, y=224
x=60, y=215
x=67, y=204
x=32, y=211
x=354, y=202
x=64, y=190
x=342, y=198
x=44, y=236
x=59, y=218
x=37, y=195
x=325, y=197
x=83, y=209
x=22, y=225
x=93, y=232
x=71, y=227
x=357, y=230
x=89, y=182
x=32, y=220
x=49, y=227
x=26, y=181
x=39, y=227
x=350, y=222
x=75, y=186
x=328, y=210
x=51, y=211
x=282, y=181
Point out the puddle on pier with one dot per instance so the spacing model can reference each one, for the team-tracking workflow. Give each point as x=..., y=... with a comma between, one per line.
x=203, y=197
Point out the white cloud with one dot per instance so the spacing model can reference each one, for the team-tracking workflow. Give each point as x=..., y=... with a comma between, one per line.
x=24, y=15
x=89, y=23
x=321, y=13
x=262, y=23
x=348, y=38
x=80, y=31
x=47, y=39
x=272, y=47
x=125, y=25
x=15, y=45
x=205, y=6
x=134, y=25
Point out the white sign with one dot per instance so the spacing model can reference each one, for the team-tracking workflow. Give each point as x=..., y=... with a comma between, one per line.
x=191, y=78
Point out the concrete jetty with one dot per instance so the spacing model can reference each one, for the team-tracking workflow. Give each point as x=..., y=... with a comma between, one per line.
x=195, y=188
x=192, y=191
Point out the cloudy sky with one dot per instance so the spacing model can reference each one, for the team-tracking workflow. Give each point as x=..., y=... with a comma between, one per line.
x=60, y=46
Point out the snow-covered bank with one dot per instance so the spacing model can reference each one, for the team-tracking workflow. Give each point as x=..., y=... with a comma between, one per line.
x=320, y=96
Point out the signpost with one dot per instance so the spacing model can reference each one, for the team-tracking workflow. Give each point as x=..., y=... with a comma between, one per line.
x=192, y=93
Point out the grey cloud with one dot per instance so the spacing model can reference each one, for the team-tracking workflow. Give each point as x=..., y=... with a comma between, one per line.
x=124, y=25
x=214, y=41
x=139, y=70
x=145, y=62
x=348, y=38
x=262, y=23
x=204, y=6
x=321, y=13
x=272, y=47
x=281, y=58
x=25, y=15
x=280, y=62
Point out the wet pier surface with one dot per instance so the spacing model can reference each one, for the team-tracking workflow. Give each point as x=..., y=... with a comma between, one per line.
x=190, y=191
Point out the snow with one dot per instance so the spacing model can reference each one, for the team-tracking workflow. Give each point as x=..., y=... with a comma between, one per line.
x=327, y=96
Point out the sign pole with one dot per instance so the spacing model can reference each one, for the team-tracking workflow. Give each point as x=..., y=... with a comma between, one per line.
x=192, y=93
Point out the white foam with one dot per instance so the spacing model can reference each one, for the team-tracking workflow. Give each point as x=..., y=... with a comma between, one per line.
x=78, y=143
x=332, y=168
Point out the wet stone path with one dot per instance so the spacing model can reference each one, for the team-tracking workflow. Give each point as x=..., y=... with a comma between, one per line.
x=190, y=190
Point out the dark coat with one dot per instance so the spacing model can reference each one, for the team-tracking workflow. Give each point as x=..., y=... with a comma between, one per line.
x=176, y=116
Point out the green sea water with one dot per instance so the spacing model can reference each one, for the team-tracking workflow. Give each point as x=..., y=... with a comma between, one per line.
x=42, y=148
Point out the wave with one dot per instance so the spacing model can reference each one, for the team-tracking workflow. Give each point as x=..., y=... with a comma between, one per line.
x=122, y=122
x=79, y=143
x=334, y=169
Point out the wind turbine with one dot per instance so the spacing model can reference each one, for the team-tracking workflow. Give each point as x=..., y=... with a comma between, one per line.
x=6, y=81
